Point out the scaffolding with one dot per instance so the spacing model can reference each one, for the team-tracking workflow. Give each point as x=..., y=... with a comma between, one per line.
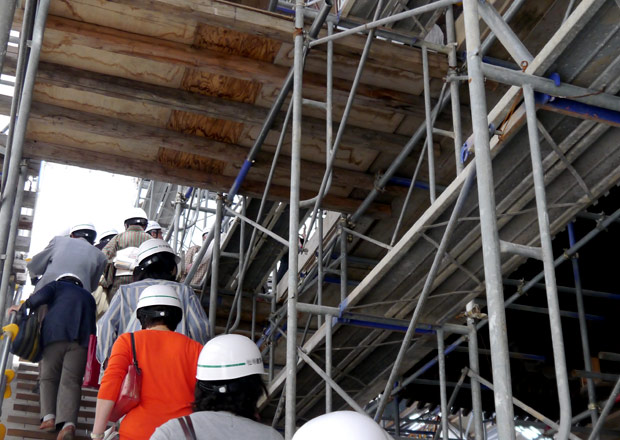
x=457, y=229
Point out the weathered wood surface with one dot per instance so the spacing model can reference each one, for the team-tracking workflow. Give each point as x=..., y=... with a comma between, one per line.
x=70, y=79
x=102, y=133
x=106, y=161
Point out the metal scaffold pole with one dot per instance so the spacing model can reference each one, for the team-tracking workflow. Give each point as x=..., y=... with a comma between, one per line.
x=549, y=269
x=10, y=250
x=428, y=284
x=442, y=384
x=17, y=147
x=215, y=264
x=488, y=223
x=474, y=365
x=454, y=89
x=291, y=340
x=429, y=125
x=583, y=329
x=7, y=13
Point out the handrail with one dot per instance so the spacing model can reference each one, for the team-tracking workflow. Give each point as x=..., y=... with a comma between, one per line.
x=9, y=332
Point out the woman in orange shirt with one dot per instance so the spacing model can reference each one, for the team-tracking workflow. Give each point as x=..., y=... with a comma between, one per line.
x=163, y=356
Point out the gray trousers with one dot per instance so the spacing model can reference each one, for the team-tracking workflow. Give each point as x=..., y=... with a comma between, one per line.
x=62, y=372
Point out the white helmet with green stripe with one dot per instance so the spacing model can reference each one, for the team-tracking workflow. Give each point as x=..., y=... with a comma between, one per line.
x=159, y=295
x=227, y=357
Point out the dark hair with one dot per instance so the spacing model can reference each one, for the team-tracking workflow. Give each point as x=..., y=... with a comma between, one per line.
x=160, y=266
x=240, y=397
x=87, y=234
x=157, y=315
x=139, y=221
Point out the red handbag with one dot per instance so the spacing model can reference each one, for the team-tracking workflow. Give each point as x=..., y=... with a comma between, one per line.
x=129, y=396
x=93, y=367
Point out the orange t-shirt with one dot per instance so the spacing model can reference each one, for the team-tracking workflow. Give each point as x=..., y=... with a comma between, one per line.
x=168, y=362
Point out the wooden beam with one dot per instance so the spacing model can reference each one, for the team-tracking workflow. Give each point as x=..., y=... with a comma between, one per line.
x=156, y=171
x=279, y=27
x=62, y=33
x=214, y=107
x=155, y=138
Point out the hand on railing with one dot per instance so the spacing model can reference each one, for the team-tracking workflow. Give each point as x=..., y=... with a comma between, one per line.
x=13, y=308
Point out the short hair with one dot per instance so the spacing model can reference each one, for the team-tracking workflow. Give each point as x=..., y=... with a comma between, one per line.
x=138, y=221
x=160, y=266
x=240, y=398
x=151, y=316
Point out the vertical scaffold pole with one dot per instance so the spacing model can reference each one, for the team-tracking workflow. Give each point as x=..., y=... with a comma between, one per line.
x=7, y=12
x=488, y=222
x=328, y=362
x=343, y=260
x=583, y=328
x=274, y=299
x=319, y=285
x=442, y=384
x=454, y=89
x=215, y=263
x=429, y=124
x=555, y=320
x=177, y=219
x=10, y=249
x=474, y=365
x=17, y=147
x=291, y=340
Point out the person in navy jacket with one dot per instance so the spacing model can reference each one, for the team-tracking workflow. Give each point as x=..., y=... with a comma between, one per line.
x=65, y=333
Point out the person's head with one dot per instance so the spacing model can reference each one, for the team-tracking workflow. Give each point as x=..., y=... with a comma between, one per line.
x=229, y=376
x=159, y=305
x=341, y=425
x=154, y=229
x=137, y=217
x=157, y=260
x=105, y=237
x=83, y=230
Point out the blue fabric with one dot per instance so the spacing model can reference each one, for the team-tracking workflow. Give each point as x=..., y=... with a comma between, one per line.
x=71, y=313
x=121, y=315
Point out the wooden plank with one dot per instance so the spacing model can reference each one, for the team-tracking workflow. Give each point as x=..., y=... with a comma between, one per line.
x=35, y=421
x=86, y=392
x=101, y=103
x=143, y=21
x=122, y=165
x=25, y=433
x=149, y=97
x=279, y=27
x=45, y=121
x=35, y=409
x=36, y=398
x=231, y=41
x=64, y=37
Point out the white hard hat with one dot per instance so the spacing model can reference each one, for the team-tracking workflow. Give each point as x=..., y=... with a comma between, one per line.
x=341, y=425
x=158, y=295
x=152, y=247
x=152, y=226
x=107, y=233
x=228, y=357
x=84, y=230
x=135, y=213
x=68, y=275
x=84, y=226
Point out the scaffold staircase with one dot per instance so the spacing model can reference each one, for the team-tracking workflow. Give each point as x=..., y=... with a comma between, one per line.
x=20, y=411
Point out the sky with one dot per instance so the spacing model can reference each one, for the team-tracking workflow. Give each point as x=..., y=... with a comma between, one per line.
x=70, y=195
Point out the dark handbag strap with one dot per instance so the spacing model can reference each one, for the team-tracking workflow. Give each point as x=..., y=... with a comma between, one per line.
x=188, y=427
x=133, y=352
